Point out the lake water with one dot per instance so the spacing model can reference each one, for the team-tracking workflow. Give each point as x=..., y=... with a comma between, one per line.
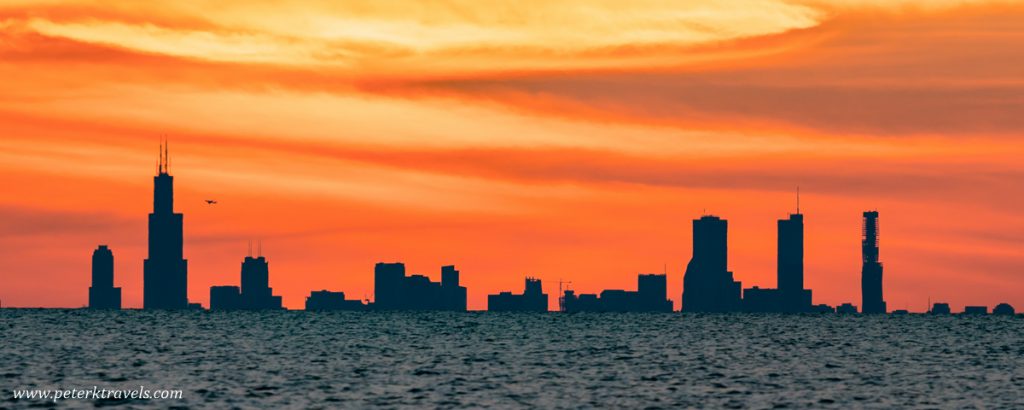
x=554, y=360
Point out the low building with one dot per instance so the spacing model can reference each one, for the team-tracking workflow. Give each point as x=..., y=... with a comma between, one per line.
x=940, y=309
x=846, y=308
x=823, y=308
x=327, y=300
x=975, y=310
x=225, y=298
x=532, y=300
x=650, y=296
x=1003, y=309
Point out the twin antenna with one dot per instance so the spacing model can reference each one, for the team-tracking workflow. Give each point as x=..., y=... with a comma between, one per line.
x=259, y=248
x=163, y=166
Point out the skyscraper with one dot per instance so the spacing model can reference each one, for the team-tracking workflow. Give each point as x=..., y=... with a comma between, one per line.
x=255, y=292
x=395, y=291
x=871, y=271
x=165, y=272
x=793, y=297
x=790, y=258
x=102, y=293
x=708, y=286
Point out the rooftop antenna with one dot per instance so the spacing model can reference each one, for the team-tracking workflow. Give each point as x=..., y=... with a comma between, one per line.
x=798, y=199
x=259, y=249
x=250, y=248
x=167, y=156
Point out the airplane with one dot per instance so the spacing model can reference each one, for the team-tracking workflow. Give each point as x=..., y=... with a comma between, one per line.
x=211, y=202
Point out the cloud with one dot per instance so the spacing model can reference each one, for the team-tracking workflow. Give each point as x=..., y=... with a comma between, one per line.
x=20, y=222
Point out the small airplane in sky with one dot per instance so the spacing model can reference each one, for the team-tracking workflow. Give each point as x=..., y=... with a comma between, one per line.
x=211, y=202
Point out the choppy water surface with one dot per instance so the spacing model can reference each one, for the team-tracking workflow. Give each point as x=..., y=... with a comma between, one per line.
x=343, y=359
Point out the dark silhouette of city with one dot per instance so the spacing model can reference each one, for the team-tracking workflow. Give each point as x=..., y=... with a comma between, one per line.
x=102, y=293
x=165, y=272
x=395, y=291
x=255, y=293
x=327, y=300
x=533, y=299
x=871, y=272
x=708, y=284
x=650, y=296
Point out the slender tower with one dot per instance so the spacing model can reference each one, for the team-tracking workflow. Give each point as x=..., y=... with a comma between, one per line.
x=165, y=272
x=871, y=272
x=793, y=297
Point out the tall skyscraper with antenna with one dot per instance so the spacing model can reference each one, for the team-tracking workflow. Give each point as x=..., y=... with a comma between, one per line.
x=165, y=271
x=871, y=271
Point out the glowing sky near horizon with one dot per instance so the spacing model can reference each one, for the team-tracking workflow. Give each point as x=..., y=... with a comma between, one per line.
x=567, y=140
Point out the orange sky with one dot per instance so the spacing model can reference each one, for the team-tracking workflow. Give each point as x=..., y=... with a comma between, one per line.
x=571, y=140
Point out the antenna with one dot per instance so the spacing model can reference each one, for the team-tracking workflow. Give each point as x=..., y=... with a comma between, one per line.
x=798, y=199
x=250, y=248
x=167, y=156
x=259, y=249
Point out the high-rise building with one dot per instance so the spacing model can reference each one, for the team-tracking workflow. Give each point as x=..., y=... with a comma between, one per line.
x=652, y=292
x=790, y=259
x=793, y=298
x=708, y=285
x=395, y=291
x=255, y=292
x=871, y=271
x=165, y=271
x=102, y=293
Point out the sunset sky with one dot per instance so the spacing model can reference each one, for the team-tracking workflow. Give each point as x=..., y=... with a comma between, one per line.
x=571, y=140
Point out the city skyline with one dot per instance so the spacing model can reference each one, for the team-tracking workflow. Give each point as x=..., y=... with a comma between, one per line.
x=515, y=139
x=709, y=286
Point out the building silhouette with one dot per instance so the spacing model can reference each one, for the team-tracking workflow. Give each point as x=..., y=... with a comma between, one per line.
x=165, y=271
x=708, y=285
x=823, y=308
x=102, y=293
x=1003, y=309
x=327, y=300
x=790, y=296
x=975, y=310
x=846, y=308
x=871, y=271
x=940, y=309
x=650, y=296
x=395, y=291
x=533, y=299
x=255, y=292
